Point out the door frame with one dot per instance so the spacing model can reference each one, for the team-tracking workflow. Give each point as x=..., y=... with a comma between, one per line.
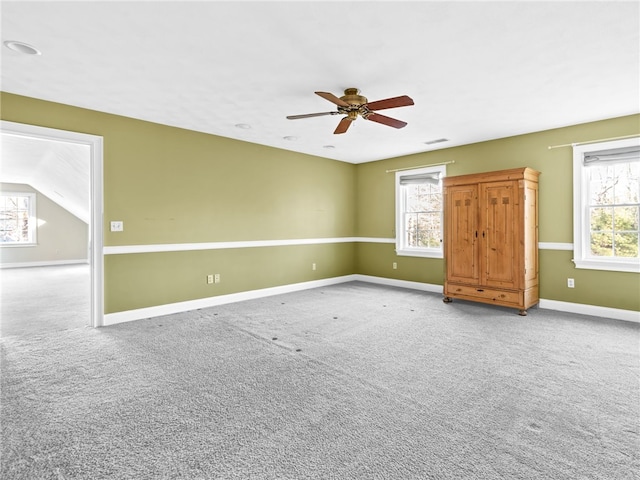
x=96, y=241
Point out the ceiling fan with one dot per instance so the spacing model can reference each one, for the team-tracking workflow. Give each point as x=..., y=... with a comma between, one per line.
x=353, y=104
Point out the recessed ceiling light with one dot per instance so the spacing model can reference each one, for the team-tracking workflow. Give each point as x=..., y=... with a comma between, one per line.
x=290, y=138
x=22, y=47
x=328, y=146
x=244, y=126
x=437, y=140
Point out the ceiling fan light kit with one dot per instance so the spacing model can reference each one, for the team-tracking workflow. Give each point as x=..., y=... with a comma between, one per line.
x=352, y=104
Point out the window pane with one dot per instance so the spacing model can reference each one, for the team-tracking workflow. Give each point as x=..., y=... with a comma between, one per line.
x=14, y=219
x=411, y=229
x=601, y=180
x=626, y=245
x=429, y=230
x=423, y=216
x=22, y=203
x=601, y=219
x=626, y=218
x=627, y=187
x=602, y=244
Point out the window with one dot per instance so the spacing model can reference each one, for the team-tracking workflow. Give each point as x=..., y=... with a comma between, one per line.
x=17, y=218
x=607, y=205
x=419, y=212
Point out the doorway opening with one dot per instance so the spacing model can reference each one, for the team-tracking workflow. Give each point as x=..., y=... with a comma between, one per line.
x=93, y=145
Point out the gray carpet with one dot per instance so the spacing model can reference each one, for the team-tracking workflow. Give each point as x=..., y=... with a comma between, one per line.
x=353, y=381
x=44, y=299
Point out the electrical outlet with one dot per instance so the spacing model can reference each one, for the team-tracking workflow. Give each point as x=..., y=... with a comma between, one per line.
x=209, y=278
x=117, y=226
x=395, y=265
x=313, y=266
x=216, y=278
x=571, y=283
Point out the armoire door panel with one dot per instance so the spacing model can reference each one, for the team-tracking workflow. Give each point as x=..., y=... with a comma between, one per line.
x=462, y=228
x=499, y=234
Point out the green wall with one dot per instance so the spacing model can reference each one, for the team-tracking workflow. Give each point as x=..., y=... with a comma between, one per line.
x=170, y=185
x=376, y=210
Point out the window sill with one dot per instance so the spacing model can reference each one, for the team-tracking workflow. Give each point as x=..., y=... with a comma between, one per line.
x=419, y=253
x=609, y=265
x=14, y=245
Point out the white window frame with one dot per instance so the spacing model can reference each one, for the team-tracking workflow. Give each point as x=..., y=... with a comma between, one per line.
x=33, y=240
x=401, y=248
x=581, y=223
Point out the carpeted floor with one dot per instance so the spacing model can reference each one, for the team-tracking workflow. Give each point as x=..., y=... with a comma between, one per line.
x=352, y=381
x=44, y=299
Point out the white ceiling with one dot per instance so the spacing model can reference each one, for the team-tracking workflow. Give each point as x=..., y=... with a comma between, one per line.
x=475, y=70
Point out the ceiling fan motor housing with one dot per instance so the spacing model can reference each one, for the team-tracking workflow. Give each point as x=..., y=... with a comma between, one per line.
x=352, y=98
x=357, y=104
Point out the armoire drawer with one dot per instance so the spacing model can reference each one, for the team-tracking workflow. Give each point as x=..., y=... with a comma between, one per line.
x=501, y=296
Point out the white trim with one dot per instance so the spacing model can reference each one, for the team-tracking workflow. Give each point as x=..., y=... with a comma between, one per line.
x=392, y=282
x=374, y=240
x=594, y=310
x=172, y=308
x=183, y=247
x=51, y=263
x=555, y=246
x=96, y=257
x=608, y=265
x=423, y=252
x=168, y=309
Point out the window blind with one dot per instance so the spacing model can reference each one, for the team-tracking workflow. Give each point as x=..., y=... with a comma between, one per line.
x=624, y=154
x=420, y=178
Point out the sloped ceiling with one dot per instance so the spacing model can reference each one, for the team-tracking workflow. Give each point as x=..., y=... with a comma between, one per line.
x=59, y=170
x=475, y=70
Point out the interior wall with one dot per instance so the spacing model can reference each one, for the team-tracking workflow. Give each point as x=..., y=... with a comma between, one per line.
x=173, y=186
x=376, y=211
x=178, y=187
x=61, y=236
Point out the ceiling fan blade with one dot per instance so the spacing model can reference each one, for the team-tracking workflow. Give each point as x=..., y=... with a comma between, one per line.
x=309, y=115
x=332, y=98
x=392, y=122
x=344, y=124
x=401, y=101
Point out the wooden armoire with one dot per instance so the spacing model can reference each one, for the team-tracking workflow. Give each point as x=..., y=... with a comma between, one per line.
x=491, y=238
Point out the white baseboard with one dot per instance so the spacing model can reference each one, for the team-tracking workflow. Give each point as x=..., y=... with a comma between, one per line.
x=594, y=310
x=392, y=282
x=168, y=309
x=51, y=263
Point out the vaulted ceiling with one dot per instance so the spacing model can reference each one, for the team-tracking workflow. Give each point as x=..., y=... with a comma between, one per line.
x=59, y=170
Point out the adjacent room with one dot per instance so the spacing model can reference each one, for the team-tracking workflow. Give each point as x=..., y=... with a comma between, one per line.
x=320, y=240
